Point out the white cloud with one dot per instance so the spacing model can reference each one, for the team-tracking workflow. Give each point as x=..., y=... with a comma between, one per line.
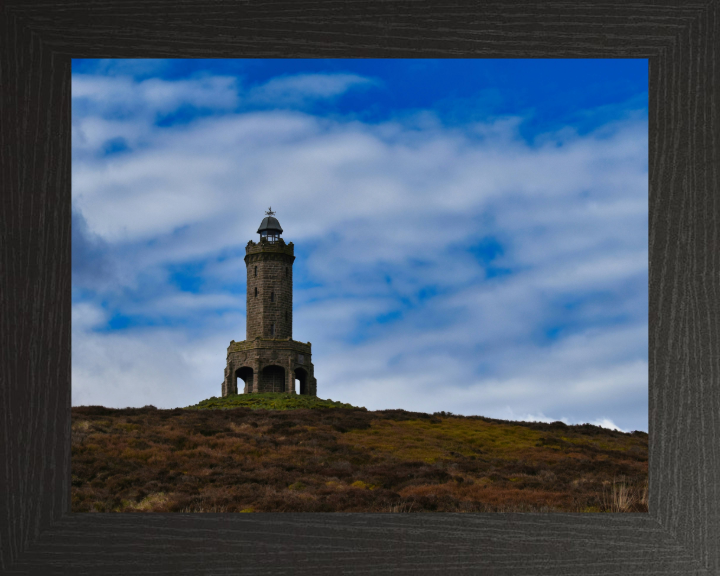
x=159, y=366
x=607, y=423
x=86, y=316
x=122, y=94
x=184, y=304
x=539, y=417
x=298, y=89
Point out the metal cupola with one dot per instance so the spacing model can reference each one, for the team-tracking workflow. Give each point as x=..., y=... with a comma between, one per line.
x=270, y=228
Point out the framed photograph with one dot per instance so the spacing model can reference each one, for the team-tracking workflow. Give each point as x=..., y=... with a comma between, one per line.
x=457, y=245
x=40, y=534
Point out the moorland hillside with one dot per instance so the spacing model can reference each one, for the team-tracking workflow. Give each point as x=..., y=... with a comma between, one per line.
x=282, y=453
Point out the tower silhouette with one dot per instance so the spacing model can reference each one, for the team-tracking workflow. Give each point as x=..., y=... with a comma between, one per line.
x=269, y=360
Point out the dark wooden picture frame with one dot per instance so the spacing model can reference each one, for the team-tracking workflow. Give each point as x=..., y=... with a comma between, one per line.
x=681, y=533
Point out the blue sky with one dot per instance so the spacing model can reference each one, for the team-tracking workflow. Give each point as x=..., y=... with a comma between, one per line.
x=471, y=235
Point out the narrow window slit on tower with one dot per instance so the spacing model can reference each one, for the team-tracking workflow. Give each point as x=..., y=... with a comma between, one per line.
x=272, y=330
x=256, y=292
x=272, y=296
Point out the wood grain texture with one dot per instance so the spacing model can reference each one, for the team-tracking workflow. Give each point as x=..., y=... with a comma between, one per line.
x=681, y=533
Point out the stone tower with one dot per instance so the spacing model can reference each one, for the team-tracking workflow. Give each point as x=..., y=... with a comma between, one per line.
x=269, y=360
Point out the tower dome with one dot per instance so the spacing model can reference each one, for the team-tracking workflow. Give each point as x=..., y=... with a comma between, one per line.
x=270, y=227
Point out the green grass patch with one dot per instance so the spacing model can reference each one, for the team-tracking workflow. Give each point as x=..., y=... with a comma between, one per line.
x=426, y=441
x=267, y=401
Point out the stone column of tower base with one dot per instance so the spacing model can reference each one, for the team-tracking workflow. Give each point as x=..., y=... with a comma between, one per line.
x=289, y=377
x=226, y=380
x=229, y=384
x=256, y=373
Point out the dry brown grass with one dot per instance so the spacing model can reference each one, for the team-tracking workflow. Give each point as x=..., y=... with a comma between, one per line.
x=402, y=507
x=621, y=496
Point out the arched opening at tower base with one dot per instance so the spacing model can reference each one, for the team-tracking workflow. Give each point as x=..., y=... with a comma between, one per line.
x=272, y=379
x=301, y=381
x=244, y=375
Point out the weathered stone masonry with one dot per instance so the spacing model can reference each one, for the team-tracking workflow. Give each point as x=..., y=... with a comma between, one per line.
x=269, y=360
x=269, y=293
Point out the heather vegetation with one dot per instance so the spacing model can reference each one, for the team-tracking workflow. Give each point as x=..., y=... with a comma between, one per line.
x=285, y=454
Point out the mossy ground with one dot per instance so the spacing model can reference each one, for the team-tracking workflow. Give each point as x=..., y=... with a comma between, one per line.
x=267, y=401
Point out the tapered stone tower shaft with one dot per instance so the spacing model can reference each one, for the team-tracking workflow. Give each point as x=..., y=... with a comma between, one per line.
x=269, y=284
x=269, y=360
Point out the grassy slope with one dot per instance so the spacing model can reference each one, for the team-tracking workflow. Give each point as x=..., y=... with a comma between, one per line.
x=278, y=452
x=267, y=401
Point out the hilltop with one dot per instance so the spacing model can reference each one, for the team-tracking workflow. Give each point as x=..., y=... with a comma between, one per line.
x=267, y=401
x=279, y=452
